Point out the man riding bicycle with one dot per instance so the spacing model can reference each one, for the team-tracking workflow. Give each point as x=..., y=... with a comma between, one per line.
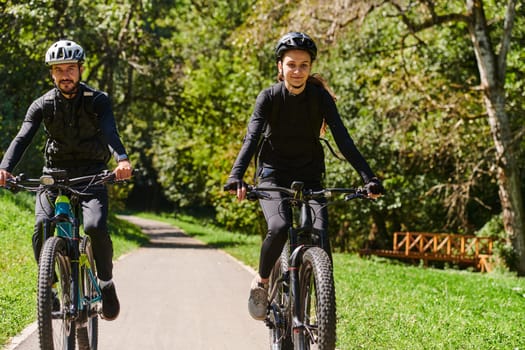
x=81, y=136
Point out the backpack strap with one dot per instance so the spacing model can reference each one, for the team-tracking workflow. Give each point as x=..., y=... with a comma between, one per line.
x=314, y=109
x=49, y=105
x=88, y=104
x=88, y=99
x=277, y=101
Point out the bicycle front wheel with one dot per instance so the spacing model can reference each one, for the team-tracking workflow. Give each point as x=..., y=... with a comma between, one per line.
x=87, y=332
x=56, y=328
x=317, y=294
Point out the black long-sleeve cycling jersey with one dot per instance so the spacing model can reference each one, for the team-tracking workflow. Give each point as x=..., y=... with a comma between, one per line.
x=293, y=147
x=73, y=145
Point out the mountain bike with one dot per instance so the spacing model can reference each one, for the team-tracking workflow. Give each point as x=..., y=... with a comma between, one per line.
x=69, y=296
x=302, y=308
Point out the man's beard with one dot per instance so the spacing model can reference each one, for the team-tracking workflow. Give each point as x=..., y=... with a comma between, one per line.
x=70, y=91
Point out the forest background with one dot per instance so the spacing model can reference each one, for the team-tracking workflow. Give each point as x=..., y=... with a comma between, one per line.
x=432, y=93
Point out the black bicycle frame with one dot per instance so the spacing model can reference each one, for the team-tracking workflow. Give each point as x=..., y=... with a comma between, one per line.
x=296, y=253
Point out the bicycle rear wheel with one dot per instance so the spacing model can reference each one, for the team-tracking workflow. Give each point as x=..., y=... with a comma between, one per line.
x=318, y=309
x=87, y=332
x=56, y=328
x=280, y=337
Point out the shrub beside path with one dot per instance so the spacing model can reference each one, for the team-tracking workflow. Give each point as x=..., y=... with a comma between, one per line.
x=177, y=293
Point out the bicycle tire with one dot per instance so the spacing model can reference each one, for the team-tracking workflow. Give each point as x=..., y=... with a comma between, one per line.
x=318, y=305
x=56, y=328
x=280, y=336
x=87, y=334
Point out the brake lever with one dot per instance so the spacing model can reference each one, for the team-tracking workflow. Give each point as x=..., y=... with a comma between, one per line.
x=360, y=193
x=106, y=177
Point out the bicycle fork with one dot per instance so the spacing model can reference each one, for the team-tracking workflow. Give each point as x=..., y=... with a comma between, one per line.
x=295, y=257
x=68, y=227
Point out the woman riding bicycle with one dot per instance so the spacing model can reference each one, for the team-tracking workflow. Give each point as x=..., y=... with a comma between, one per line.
x=290, y=114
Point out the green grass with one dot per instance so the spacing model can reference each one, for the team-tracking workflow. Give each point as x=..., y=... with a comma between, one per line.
x=18, y=270
x=387, y=305
x=380, y=304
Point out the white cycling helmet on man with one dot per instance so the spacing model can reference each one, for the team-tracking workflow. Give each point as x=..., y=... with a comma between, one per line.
x=65, y=51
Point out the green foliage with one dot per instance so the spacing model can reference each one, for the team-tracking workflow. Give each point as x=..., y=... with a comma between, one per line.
x=410, y=106
x=190, y=144
x=183, y=77
x=493, y=228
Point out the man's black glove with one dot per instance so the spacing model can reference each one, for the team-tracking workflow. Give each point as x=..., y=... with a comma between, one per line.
x=233, y=183
x=374, y=186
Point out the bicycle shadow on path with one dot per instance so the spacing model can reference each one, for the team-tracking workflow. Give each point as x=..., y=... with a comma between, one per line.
x=163, y=235
x=170, y=237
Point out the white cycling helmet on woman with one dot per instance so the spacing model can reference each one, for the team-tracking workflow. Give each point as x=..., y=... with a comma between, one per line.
x=65, y=51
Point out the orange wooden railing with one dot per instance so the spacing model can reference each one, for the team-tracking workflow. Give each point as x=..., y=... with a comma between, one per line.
x=465, y=249
x=442, y=243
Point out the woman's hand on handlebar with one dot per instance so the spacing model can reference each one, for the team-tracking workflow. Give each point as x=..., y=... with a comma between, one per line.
x=236, y=186
x=123, y=170
x=374, y=188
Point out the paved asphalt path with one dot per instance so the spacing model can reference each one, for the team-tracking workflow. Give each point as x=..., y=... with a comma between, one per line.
x=176, y=293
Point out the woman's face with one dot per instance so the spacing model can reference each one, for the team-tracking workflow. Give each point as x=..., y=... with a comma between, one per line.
x=295, y=67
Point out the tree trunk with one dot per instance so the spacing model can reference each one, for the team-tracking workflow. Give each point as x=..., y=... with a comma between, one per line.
x=492, y=75
x=508, y=178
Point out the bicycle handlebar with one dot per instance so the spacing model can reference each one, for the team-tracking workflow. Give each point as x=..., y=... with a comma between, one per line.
x=58, y=180
x=296, y=191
